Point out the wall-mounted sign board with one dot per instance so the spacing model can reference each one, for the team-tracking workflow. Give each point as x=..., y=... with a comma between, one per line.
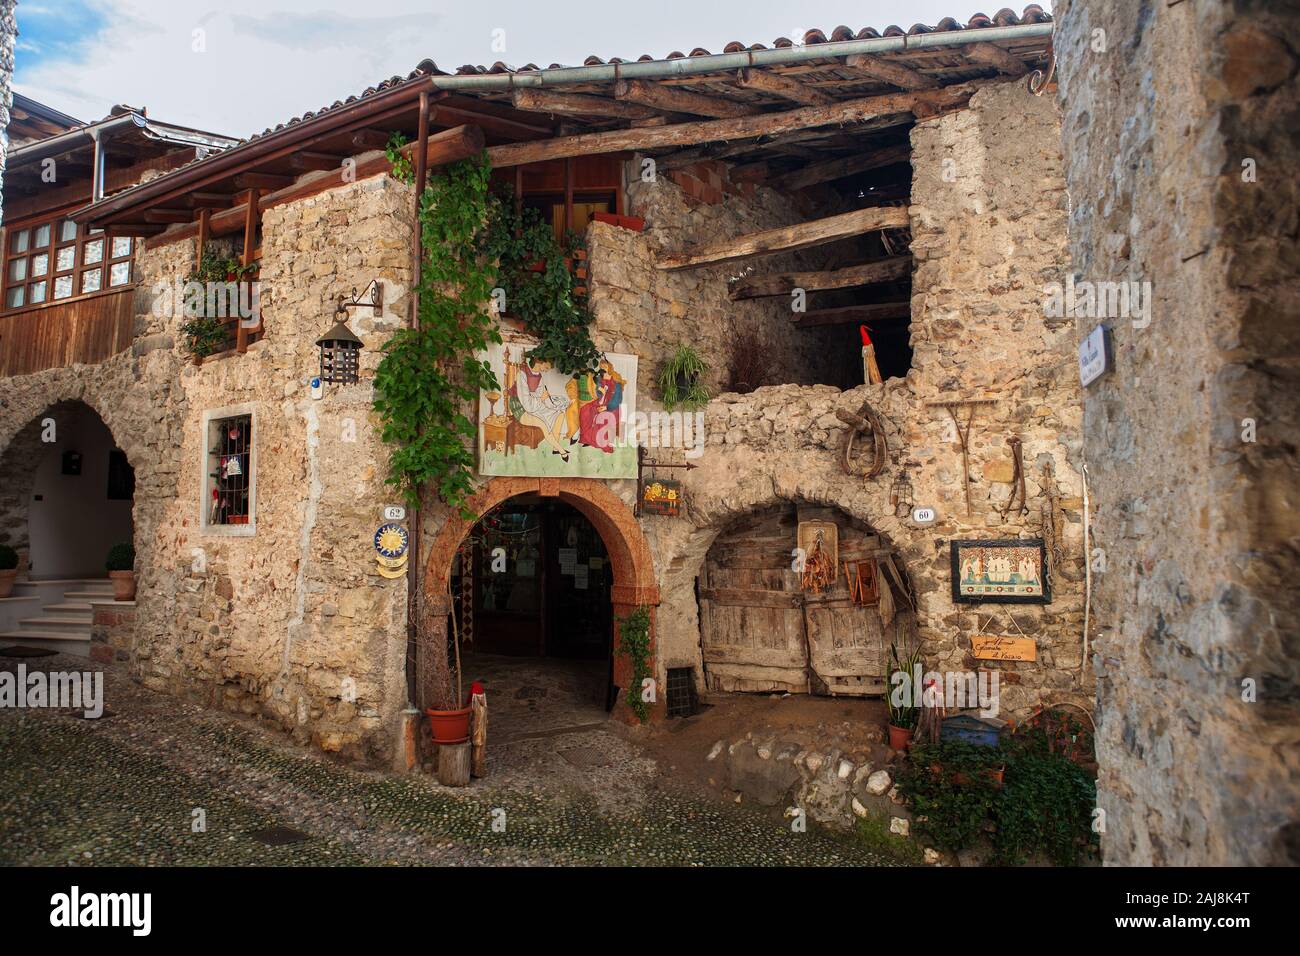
x=1095, y=358
x=998, y=647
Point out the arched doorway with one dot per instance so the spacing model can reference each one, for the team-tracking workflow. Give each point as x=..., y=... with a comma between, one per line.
x=67, y=497
x=626, y=571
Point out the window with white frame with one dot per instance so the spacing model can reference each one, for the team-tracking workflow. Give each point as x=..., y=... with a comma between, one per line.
x=229, y=498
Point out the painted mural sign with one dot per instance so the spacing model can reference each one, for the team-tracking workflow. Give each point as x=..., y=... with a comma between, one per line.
x=546, y=424
x=1011, y=571
x=1003, y=647
x=662, y=496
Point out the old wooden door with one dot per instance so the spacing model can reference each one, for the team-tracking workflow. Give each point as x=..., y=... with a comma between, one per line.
x=751, y=608
x=761, y=632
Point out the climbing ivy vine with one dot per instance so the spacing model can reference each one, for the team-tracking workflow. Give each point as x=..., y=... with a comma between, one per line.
x=474, y=242
x=634, y=641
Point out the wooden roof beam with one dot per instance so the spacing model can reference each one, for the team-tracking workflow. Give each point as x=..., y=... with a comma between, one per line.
x=867, y=273
x=579, y=104
x=803, y=235
x=367, y=139
x=674, y=100
x=843, y=168
x=988, y=54
x=308, y=160
x=778, y=84
x=169, y=215
x=891, y=72
x=844, y=315
x=869, y=112
x=262, y=181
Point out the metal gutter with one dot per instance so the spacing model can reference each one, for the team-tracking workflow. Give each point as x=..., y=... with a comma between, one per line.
x=723, y=62
x=63, y=142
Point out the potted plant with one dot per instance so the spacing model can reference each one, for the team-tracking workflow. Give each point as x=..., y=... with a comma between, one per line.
x=903, y=710
x=8, y=570
x=121, y=570
x=448, y=723
x=203, y=336
x=679, y=380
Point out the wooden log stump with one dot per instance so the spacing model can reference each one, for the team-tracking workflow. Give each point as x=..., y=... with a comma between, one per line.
x=454, y=764
x=478, y=735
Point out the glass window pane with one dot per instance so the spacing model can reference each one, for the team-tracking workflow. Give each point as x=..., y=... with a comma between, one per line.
x=93, y=252
x=17, y=270
x=91, y=279
x=67, y=230
x=121, y=246
x=64, y=258
x=14, y=298
x=120, y=274
x=62, y=287
x=41, y=237
x=38, y=291
x=19, y=241
x=40, y=264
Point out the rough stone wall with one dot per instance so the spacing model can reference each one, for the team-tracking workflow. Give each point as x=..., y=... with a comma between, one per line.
x=1168, y=112
x=984, y=240
x=292, y=623
x=641, y=309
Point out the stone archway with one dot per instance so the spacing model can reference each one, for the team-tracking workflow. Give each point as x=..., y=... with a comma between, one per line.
x=629, y=553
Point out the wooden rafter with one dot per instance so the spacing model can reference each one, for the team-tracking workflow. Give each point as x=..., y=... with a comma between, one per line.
x=580, y=104
x=867, y=273
x=988, y=54
x=870, y=108
x=842, y=168
x=783, y=86
x=872, y=312
x=676, y=100
x=888, y=71
x=803, y=235
x=309, y=160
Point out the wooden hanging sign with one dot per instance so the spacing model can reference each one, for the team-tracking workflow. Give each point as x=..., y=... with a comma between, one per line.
x=1003, y=647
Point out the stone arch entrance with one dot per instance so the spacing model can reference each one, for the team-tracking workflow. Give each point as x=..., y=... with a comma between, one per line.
x=66, y=492
x=629, y=554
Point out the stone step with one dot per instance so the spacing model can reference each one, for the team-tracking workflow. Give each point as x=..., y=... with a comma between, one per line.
x=75, y=607
x=58, y=622
x=64, y=642
x=98, y=597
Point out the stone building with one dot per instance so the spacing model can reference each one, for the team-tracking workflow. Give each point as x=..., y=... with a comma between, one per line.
x=1179, y=132
x=912, y=182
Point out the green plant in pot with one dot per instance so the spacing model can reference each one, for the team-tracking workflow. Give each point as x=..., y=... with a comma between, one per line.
x=680, y=380
x=121, y=571
x=203, y=336
x=904, y=709
x=8, y=570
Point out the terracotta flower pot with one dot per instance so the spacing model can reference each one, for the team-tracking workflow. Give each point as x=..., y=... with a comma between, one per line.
x=449, y=726
x=123, y=585
x=7, y=582
x=899, y=737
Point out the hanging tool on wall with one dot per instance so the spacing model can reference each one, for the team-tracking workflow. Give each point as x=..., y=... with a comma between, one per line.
x=963, y=431
x=870, y=370
x=1051, y=517
x=1017, y=480
x=865, y=422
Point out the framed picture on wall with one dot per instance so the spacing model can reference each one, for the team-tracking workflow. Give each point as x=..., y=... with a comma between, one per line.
x=1009, y=571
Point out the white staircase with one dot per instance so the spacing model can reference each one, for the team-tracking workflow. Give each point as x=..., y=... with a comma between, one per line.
x=64, y=624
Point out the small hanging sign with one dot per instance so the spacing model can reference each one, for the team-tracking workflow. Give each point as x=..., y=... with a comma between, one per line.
x=1003, y=647
x=662, y=496
x=1094, y=355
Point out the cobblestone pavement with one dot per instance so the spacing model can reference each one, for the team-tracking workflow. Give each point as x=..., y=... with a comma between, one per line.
x=123, y=790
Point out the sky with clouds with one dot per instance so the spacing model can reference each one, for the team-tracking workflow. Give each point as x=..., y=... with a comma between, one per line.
x=239, y=66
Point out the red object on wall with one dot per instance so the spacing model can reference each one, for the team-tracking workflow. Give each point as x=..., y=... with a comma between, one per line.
x=866, y=339
x=635, y=223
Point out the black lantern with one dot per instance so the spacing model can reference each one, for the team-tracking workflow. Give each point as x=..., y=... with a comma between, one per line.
x=340, y=355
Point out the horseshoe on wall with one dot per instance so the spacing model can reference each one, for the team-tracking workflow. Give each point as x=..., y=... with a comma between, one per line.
x=864, y=422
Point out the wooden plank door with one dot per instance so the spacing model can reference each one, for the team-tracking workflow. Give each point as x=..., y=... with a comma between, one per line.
x=751, y=608
x=846, y=647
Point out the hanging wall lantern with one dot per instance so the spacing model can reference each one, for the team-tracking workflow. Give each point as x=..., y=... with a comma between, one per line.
x=340, y=355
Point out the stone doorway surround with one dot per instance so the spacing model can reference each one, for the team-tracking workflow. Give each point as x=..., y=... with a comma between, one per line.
x=629, y=555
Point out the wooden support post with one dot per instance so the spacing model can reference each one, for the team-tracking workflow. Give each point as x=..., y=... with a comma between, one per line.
x=205, y=217
x=250, y=244
x=568, y=195
x=478, y=735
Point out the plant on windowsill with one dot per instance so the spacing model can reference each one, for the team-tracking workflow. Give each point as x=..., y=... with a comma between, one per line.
x=207, y=334
x=903, y=710
x=121, y=570
x=679, y=380
x=8, y=570
x=203, y=336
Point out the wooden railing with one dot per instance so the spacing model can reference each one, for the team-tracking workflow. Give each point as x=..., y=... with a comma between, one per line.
x=86, y=330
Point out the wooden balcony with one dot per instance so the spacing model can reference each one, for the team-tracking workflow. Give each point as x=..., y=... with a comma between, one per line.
x=87, y=329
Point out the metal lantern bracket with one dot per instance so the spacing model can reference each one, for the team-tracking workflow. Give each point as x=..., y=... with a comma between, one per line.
x=643, y=462
x=374, y=300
